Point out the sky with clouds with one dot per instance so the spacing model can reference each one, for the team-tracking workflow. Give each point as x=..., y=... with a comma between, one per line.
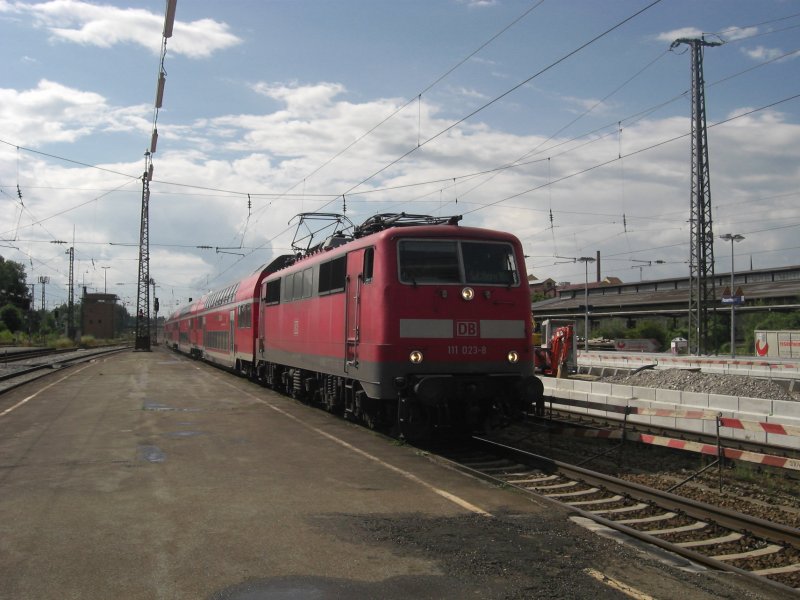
x=564, y=122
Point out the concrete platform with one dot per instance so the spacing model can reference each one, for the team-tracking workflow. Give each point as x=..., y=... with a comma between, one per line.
x=147, y=475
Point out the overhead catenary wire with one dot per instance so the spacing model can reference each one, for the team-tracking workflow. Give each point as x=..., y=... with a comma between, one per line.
x=418, y=96
x=503, y=95
x=483, y=107
x=627, y=120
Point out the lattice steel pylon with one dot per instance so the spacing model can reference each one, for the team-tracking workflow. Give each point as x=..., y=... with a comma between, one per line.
x=702, y=293
x=71, y=294
x=143, y=285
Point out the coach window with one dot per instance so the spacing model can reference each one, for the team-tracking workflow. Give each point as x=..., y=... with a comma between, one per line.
x=245, y=316
x=369, y=263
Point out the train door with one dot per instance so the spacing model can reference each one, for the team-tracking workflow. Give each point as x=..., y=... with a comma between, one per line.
x=353, y=282
x=232, y=335
x=262, y=318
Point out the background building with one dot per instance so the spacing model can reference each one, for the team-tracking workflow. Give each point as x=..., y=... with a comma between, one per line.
x=98, y=315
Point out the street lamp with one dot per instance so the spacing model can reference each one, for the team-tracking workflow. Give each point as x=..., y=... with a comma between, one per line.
x=586, y=260
x=105, y=279
x=732, y=237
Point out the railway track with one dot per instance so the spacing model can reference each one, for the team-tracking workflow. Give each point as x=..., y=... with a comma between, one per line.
x=566, y=419
x=21, y=355
x=13, y=374
x=704, y=534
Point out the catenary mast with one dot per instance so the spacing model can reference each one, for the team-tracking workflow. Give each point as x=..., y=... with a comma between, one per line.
x=701, y=257
x=142, y=341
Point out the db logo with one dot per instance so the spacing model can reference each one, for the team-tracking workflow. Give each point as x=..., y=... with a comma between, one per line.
x=466, y=329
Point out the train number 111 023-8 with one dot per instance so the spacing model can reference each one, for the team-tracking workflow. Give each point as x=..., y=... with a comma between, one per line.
x=466, y=350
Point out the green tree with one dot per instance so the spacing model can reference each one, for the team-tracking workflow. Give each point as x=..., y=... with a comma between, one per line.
x=13, y=289
x=766, y=321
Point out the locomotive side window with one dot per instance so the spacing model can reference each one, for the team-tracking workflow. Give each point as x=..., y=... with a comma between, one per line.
x=297, y=286
x=273, y=292
x=369, y=263
x=427, y=261
x=489, y=263
x=332, y=275
x=286, y=288
x=308, y=281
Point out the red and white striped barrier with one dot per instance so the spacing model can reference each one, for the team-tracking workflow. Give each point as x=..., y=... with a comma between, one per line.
x=759, y=426
x=703, y=448
x=754, y=457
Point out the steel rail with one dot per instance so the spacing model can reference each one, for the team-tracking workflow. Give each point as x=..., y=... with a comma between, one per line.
x=775, y=532
x=698, y=510
x=80, y=356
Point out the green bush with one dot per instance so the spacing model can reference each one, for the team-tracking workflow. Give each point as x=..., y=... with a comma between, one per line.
x=11, y=316
x=650, y=330
x=62, y=342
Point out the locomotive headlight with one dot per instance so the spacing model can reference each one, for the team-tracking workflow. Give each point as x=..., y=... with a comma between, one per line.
x=415, y=357
x=513, y=357
x=467, y=293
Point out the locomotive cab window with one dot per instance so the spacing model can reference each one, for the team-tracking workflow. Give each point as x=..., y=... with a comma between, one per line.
x=442, y=262
x=425, y=261
x=489, y=263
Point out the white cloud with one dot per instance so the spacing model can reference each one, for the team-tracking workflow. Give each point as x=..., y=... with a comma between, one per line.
x=684, y=32
x=478, y=3
x=52, y=112
x=761, y=53
x=737, y=33
x=105, y=26
x=586, y=104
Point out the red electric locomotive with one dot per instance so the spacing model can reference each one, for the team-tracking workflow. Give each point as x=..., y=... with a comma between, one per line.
x=408, y=322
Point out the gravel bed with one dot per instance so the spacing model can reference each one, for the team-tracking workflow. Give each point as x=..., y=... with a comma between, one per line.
x=711, y=383
x=774, y=496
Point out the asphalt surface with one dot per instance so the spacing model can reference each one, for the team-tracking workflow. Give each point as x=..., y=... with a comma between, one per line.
x=147, y=475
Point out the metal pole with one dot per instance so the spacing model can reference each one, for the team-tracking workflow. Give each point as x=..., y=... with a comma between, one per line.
x=732, y=237
x=733, y=308
x=586, y=260
x=586, y=308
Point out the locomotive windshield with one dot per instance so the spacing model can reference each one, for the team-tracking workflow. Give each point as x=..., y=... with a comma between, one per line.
x=438, y=261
